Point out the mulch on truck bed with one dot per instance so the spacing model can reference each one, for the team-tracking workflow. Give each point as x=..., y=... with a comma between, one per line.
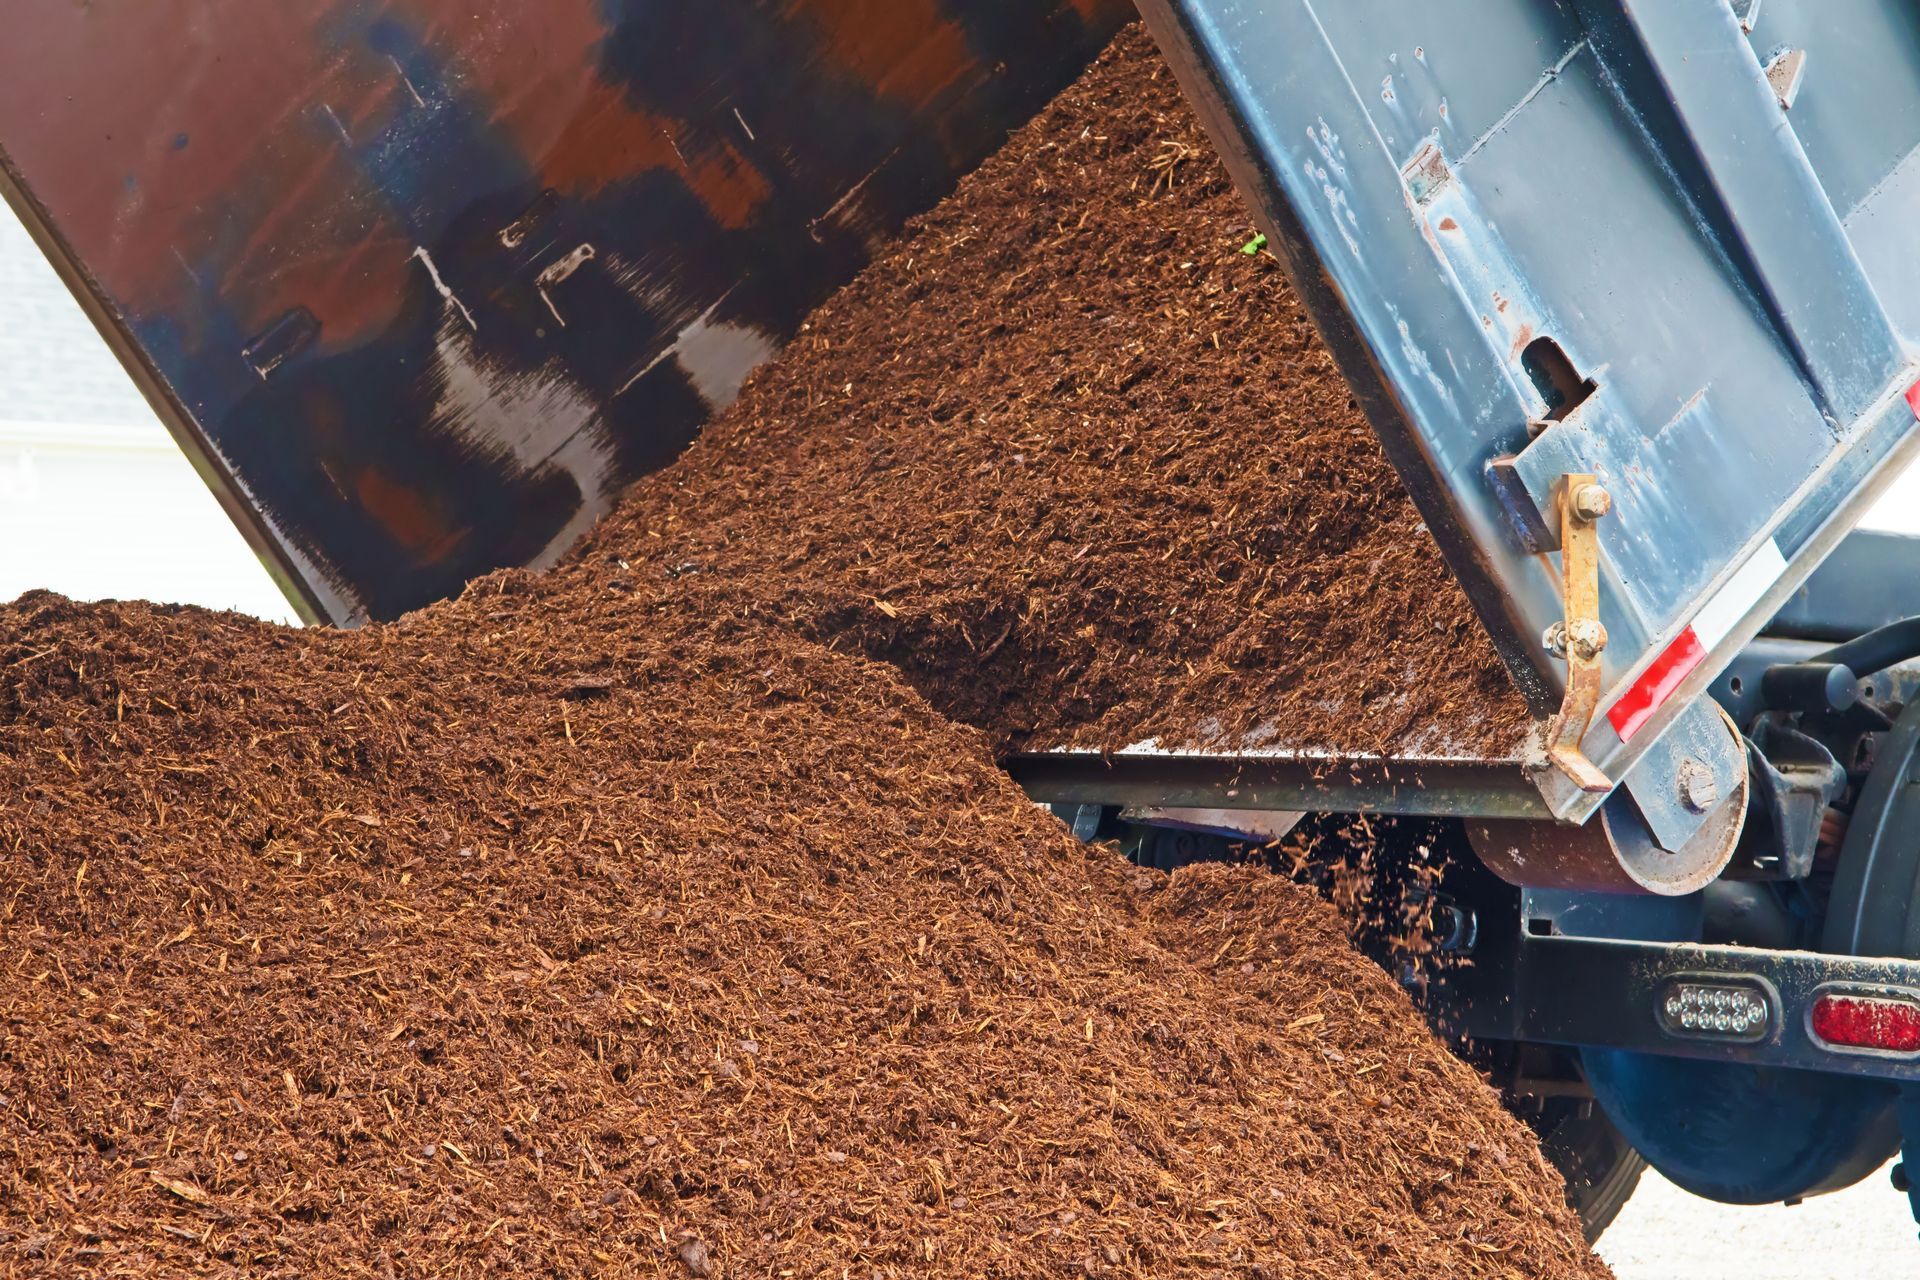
x=579, y=932
x=1081, y=468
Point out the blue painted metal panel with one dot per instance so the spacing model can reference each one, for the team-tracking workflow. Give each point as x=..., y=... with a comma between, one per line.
x=1858, y=112
x=1619, y=177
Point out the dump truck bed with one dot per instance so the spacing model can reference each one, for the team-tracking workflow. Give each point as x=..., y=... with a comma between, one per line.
x=1655, y=257
x=421, y=285
x=392, y=284
x=1079, y=465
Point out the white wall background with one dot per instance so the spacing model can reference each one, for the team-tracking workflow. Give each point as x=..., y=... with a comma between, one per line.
x=102, y=512
x=96, y=502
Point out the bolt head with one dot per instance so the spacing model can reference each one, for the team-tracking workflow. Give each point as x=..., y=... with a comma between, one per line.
x=1698, y=790
x=1554, y=638
x=1587, y=639
x=1590, y=502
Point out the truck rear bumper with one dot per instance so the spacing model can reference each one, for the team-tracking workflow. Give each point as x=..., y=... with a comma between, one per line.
x=1613, y=994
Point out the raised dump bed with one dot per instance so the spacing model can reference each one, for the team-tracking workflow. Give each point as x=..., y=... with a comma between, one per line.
x=422, y=290
x=422, y=284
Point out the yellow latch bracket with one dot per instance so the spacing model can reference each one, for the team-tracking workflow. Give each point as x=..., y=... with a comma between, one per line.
x=1579, y=638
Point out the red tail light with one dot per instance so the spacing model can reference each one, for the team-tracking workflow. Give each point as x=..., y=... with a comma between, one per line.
x=1889, y=1024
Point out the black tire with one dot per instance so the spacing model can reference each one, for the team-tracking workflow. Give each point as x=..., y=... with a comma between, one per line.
x=1600, y=1168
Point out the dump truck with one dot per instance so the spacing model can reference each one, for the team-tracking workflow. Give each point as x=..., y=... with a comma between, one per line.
x=1627, y=290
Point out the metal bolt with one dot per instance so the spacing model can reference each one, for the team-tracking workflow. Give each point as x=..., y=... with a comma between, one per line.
x=1555, y=639
x=1698, y=791
x=1587, y=639
x=1590, y=502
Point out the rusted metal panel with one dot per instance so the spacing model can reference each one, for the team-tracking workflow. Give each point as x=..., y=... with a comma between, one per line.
x=421, y=284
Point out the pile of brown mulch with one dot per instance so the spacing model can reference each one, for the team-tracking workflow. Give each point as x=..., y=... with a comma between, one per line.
x=615, y=923
x=1082, y=470
x=565, y=930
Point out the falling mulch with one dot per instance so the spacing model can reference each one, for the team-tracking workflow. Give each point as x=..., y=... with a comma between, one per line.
x=558, y=931
x=1080, y=467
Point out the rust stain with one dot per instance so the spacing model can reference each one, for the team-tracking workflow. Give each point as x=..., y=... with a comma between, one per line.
x=907, y=50
x=347, y=235
x=164, y=133
x=581, y=133
x=606, y=141
x=1520, y=341
x=1448, y=224
x=343, y=286
x=411, y=518
x=183, y=151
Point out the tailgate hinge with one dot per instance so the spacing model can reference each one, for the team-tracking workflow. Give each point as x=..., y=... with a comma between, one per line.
x=1579, y=502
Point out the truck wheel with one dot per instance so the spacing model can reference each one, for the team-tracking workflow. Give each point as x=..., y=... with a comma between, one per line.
x=1600, y=1167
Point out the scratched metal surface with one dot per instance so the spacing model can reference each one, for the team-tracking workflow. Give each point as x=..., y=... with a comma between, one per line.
x=1473, y=193
x=422, y=283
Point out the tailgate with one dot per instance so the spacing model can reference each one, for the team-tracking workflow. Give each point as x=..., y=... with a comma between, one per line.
x=1667, y=244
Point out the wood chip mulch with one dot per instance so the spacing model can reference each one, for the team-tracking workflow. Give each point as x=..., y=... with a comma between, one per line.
x=1081, y=469
x=633, y=921
x=557, y=933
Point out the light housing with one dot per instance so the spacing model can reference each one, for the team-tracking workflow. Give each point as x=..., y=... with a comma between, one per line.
x=1714, y=1006
x=1866, y=1020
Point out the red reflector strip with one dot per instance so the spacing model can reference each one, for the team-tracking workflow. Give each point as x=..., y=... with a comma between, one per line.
x=1867, y=1022
x=1913, y=399
x=1723, y=611
x=1639, y=703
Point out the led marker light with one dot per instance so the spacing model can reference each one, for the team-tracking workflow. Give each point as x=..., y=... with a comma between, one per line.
x=1715, y=1008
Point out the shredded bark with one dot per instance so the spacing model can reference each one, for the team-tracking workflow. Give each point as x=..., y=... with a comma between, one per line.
x=1081, y=468
x=615, y=922
x=580, y=932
